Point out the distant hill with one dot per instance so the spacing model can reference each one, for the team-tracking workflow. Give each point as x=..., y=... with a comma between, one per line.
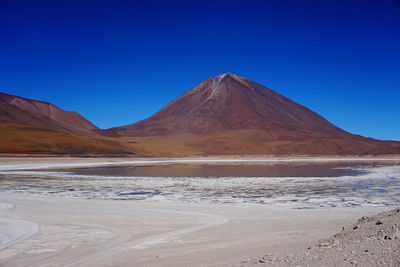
x=31, y=126
x=19, y=138
x=42, y=115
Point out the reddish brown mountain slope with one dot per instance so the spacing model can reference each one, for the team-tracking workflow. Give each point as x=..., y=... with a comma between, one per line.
x=42, y=115
x=230, y=102
x=19, y=138
x=30, y=126
x=232, y=115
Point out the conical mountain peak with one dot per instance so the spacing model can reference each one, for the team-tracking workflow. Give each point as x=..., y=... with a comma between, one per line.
x=228, y=82
x=229, y=102
x=227, y=75
x=229, y=114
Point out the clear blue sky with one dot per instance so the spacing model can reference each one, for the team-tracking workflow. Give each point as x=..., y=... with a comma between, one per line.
x=117, y=62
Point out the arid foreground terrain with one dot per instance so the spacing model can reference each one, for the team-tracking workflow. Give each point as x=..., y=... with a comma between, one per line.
x=50, y=217
x=371, y=241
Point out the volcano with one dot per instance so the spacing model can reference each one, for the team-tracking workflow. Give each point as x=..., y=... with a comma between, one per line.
x=230, y=114
x=229, y=102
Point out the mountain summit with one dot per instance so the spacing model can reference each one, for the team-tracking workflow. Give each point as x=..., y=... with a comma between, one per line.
x=230, y=102
x=230, y=114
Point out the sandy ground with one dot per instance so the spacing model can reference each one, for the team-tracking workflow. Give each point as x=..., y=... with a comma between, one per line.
x=80, y=232
x=62, y=231
x=371, y=241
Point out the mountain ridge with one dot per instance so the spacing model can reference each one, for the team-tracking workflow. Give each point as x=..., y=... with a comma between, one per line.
x=38, y=127
x=42, y=114
x=224, y=115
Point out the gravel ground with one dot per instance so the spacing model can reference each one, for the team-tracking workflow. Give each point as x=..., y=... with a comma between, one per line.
x=371, y=241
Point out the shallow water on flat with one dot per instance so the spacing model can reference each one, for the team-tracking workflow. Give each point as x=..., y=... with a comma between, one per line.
x=240, y=170
x=293, y=186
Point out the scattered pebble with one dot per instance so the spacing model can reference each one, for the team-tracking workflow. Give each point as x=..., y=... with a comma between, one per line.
x=376, y=243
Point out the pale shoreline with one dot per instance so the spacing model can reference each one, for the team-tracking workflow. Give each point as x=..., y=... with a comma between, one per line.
x=37, y=163
x=95, y=232
x=13, y=231
x=86, y=232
